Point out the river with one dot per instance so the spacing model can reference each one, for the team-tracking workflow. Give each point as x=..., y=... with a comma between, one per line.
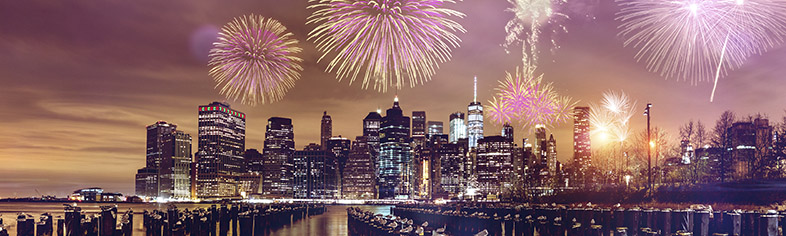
x=333, y=222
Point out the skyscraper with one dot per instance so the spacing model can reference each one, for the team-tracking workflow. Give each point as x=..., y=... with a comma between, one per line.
x=507, y=131
x=156, y=137
x=327, y=130
x=278, y=158
x=540, y=162
x=394, y=159
x=474, y=119
x=315, y=173
x=175, y=170
x=495, y=170
x=435, y=128
x=371, y=126
x=254, y=161
x=359, y=180
x=418, y=128
x=340, y=148
x=222, y=141
x=458, y=130
x=582, y=154
x=551, y=155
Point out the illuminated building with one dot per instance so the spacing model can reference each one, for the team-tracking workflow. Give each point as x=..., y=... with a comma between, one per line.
x=340, y=148
x=326, y=130
x=175, y=170
x=507, y=132
x=418, y=128
x=315, y=173
x=494, y=165
x=371, y=130
x=359, y=180
x=278, y=158
x=222, y=140
x=458, y=130
x=751, y=145
x=474, y=119
x=395, y=157
x=146, y=182
x=435, y=128
x=582, y=152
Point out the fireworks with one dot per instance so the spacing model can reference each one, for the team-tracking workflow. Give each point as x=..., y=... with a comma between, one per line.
x=254, y=60
x=698, y=40
x=609, y=119
x=528, y=101
x=531, y=17
x=384, y=42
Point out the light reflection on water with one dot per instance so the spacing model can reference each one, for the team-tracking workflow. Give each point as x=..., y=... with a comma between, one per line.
x=332, y=222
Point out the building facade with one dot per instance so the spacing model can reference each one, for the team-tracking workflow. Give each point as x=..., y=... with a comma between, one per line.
x=222, y=140
x=582, y=152
x=458, y=130
x=359, y=180
x=495, y=170
x=278, y=158
x=435, y=128
x=175, y=170
x=326, y=130
x=315, y=173
x=395, y=159
x=474, y=119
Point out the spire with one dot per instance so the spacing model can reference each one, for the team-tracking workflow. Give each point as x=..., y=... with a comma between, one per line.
x=475, y=97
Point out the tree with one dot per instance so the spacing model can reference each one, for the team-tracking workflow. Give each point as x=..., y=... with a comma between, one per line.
x=721, y=138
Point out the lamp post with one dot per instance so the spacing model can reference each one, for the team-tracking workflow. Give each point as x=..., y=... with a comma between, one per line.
x=649, y=149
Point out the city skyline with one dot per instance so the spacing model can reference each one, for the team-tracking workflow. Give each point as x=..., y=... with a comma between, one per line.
x=83, y=86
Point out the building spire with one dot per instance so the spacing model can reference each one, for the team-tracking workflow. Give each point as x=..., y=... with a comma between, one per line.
x=475, y=91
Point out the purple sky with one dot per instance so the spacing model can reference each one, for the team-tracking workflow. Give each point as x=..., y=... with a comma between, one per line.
x=80, y=80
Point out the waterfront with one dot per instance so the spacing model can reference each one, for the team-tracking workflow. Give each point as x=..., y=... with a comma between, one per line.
x=333, y=222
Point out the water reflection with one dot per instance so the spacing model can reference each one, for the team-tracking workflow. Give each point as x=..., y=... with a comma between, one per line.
x=333, y=222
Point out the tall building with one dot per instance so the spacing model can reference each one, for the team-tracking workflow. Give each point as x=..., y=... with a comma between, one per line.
x=315, y=173
x=418, y=128
x=495, y=170
x=371, y=126
x=146, y=182
x=551, y=155
x=254, y=161
x=451, y=157
x=751, y=146
x=359, y=180
x=474, y=119
x=175, y=170
x=458, y=130
x=582, y=153
x=168, y=163
x=327, y=130
x=540, y=162
x=435, y=128
x=340, y=148
x=395, y=157
x=507, y=132
x=278, y=158
x=222, y=141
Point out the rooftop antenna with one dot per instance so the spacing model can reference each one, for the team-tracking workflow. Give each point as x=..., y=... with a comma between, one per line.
x=475, y=92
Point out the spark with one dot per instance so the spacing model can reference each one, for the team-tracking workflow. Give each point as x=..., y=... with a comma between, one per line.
x=700, y=40
x=610, y=119
x=254, y=60
x=384, y=42
x=532, y=17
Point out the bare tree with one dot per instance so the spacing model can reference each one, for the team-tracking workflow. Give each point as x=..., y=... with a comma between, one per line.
x=721, y=138
x=686, y=131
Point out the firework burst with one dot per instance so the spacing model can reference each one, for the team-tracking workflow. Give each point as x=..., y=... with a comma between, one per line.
x=384, y=42
x=610, y=119
x=528, y=101
x=532, y=17
x=254, y=60
x=698, y=40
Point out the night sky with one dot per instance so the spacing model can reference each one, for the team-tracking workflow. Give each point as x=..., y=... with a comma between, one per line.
x=80, y=80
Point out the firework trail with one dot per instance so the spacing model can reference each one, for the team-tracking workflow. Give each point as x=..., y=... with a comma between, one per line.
x=532, y=17
x=610, y=119
x=384, y=42
x=699, y=40
x=528, y=101
x=254, y=60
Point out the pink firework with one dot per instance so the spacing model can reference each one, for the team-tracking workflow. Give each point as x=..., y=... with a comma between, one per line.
x=528, y=101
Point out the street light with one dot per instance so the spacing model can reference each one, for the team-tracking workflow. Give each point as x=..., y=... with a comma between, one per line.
x=649, y=150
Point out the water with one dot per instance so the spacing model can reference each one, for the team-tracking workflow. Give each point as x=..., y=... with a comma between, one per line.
x=332, y=222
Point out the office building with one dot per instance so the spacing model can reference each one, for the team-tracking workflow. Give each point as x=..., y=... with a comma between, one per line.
x=222, y=140
x=278, y=159
x=474, y=119
x=395, y=157
x=315, y=173
x=326, y=130
x=582, y=152
x=495, y=170
x=435, y=128
x=359, y=180
x=458, y=130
